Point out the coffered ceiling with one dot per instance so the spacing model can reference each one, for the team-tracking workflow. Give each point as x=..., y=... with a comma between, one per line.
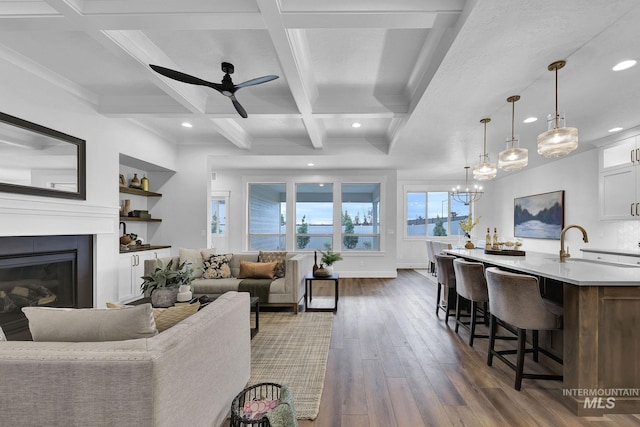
x=418, y=75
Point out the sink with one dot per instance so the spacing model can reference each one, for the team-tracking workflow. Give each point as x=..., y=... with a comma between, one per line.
x=595, y=261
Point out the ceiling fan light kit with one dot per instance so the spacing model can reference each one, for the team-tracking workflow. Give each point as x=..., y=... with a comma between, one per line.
x=485, y=170
x=226, y=88
x=514, y=157
x=558, y=140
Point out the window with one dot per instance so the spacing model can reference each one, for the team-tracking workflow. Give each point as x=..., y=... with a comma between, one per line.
x=360, y=217
x=433, y=213
x=267, y=216
x=218, y=216
x=314, y=216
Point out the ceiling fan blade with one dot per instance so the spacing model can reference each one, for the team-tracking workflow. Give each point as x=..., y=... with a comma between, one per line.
x=239, y=108
x=256, y=81
x=182, y=77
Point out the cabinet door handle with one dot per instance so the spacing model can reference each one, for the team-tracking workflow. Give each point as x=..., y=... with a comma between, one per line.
x=631, y=209
x=137, y=260
x=637, y=154
x=637, y=208
x=631, y=155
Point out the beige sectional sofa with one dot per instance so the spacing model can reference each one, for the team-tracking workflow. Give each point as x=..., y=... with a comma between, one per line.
x=284, y=291
x=185, y=376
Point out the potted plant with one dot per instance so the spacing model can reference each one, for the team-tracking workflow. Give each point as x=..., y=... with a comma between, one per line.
x=163, y=283
x=467, y=226
x=326, y=262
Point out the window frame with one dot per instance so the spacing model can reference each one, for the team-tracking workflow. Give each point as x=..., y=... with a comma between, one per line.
x=426, y=190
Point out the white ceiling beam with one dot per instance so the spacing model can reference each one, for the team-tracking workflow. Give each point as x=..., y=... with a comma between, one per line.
x=359, y=20
x=293, y=68
x=231, y=130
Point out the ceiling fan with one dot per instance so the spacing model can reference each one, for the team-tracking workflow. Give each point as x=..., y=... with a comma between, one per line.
x=227, y=88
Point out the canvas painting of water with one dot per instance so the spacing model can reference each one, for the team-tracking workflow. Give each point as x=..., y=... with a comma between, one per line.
x=540, y=216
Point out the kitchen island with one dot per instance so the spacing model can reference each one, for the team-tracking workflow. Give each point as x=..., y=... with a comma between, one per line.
x=601, y=333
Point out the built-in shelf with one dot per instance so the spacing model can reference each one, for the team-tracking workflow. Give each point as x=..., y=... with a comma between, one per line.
x=135, y=218
x=135, y=191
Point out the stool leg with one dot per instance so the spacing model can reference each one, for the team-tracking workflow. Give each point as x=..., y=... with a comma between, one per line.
x=535, y=345
x=492, y=339
x=457, y=312
x=486, y=313
x=522, y=335
x=473, y=322
x=438, y=298
x=447, y=309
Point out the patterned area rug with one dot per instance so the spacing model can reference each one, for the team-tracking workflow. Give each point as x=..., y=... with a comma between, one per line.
x=293, y=350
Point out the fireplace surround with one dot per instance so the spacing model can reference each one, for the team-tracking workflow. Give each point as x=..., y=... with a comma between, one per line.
x=44, y=271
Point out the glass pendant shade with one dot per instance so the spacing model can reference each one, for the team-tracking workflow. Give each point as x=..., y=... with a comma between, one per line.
x=558, y=140
x=485, y=170
x=468, y=194
x=514, y=157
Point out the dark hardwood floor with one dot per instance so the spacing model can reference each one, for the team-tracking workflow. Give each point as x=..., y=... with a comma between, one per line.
x=392, y=362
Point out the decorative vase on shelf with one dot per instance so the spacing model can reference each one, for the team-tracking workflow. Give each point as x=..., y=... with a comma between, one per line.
x=135, y=181
x=144, y=182
x=127, y=207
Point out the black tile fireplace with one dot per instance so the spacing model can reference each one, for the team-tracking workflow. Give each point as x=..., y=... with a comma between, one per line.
x=43, y=271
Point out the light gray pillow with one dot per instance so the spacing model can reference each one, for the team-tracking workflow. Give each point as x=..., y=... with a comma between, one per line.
x=196, y=258
x=90, y=324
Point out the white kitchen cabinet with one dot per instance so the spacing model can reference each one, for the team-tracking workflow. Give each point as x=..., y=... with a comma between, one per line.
x=131, y=269
x=620, y=154
x=619, y=180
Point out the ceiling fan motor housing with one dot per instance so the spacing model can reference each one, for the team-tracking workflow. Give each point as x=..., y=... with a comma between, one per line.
x=227, y=68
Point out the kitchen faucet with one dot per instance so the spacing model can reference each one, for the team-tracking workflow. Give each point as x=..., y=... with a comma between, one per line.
x=564, y=255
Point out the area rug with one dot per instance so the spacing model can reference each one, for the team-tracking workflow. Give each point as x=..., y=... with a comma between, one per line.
x=293, y=350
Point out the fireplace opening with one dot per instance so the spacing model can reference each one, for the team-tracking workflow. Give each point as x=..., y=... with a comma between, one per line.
x=45, y=271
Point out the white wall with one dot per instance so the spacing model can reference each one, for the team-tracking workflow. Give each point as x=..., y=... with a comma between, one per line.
x=31, y=98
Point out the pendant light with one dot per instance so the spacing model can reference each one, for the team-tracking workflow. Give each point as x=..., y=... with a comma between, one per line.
x=558, y=140
x=514, y=157
x=485, y=170
x=468, y=195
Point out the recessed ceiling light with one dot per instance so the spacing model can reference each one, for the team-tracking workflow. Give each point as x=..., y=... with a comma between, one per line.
x=624, y=65
x=530, y=119
x=310, y=164
x=616, y=129
x=187, y=125
x=355, y=125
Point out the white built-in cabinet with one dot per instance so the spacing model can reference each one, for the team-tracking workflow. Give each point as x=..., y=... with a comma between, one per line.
x=619, y=180
x=131, y=269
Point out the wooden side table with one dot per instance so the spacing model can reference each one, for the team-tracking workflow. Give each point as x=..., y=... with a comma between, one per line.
x=308, y=291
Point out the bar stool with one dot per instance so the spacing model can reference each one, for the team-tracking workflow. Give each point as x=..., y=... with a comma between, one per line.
x=446, y=279
x=431, y=257
x=516, y=300
x=472, y=286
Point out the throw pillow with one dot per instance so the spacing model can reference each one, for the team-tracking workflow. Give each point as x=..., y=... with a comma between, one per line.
x=217, y=267
x=90, y=324
x=167, y=317
x=257, y=270
x=3, y=337
x=279, y=257
x=196, y=258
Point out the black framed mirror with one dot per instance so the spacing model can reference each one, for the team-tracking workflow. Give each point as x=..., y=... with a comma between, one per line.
x=39, y=161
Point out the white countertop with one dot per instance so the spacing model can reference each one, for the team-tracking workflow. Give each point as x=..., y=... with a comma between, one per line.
x=576, y=271
x=626, y=252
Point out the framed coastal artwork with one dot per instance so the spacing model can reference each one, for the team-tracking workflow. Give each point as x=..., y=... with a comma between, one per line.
x=540, y=216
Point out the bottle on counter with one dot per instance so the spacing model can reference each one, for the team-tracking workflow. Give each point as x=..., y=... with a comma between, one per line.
x=495, y=238
x=487, y=239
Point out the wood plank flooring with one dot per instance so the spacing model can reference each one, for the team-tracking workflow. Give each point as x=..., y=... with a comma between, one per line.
x=392, y=362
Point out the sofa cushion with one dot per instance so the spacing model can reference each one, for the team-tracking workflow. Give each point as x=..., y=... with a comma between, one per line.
x=280, y=257
x=214, y=286
x=196, y=258
x=90, y=324
x=257, y=270
x=217, y=267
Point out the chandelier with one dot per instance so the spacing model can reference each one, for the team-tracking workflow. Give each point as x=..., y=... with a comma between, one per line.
x=514, y=157
x=485, y=170
x=558, y=140
x=468, y=195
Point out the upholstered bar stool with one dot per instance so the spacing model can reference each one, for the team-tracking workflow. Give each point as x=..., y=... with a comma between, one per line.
x=446, y=281
x=430, y=257
x=516, y=300
x=472, y=286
